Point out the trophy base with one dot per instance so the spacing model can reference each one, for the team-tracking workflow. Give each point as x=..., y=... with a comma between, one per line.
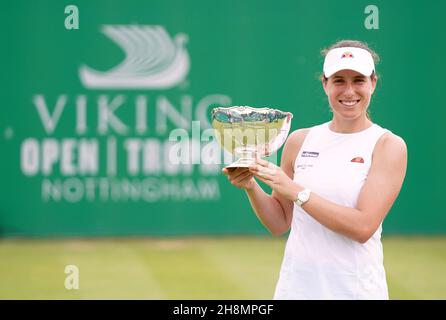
x=242, y=163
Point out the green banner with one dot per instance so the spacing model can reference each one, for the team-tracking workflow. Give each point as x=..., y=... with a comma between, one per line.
x=96, y=94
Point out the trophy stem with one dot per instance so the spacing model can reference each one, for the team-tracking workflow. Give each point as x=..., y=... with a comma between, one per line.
x=246, y=157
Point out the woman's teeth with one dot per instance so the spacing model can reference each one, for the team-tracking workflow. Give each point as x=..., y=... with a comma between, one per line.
x=349, y=103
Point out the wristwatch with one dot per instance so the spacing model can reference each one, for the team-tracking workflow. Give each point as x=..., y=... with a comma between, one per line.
x=303, y=197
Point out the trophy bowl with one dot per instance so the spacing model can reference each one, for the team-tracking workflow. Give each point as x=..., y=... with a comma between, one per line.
x=249, y=133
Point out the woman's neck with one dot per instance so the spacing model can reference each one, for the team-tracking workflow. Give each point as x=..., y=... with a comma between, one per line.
x=349, y=126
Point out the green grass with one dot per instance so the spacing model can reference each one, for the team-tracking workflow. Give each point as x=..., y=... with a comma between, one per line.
x=192, y=268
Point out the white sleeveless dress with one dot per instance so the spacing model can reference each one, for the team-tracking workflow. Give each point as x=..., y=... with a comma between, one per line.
x=319, y=263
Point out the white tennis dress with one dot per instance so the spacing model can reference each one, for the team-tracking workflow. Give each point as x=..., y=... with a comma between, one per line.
x=319, y=263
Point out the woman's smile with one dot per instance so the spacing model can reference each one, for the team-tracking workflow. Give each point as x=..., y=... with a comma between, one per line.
x=350, y=104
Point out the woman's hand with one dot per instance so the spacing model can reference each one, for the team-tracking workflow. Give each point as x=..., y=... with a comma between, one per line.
x=276, y=178
x=240, y=177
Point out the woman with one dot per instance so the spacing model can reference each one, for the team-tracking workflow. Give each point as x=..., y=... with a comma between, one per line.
x=335, y=184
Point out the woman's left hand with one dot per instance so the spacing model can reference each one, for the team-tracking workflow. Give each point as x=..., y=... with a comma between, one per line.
x=276, y=178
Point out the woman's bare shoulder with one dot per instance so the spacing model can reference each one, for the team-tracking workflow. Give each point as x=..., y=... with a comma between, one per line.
x=391, y=140
x=297, y=137
x=390, y=145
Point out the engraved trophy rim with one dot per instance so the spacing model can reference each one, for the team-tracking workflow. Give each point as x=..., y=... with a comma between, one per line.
x=249, y=108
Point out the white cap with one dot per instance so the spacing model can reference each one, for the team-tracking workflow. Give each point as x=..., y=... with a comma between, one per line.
x=348, y=58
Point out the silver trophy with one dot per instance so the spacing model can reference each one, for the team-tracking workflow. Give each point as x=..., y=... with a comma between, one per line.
x=249, y=133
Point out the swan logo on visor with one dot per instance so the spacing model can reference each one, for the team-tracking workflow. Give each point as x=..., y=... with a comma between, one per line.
x=347, y=54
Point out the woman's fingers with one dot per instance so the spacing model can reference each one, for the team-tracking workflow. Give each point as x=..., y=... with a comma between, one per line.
x=262, y=179
x=234, y=173
x=241, y=175
x=230, y=171
x=227, y=171
x=262, y=162
x=246, y=174
x=261, y=171
x=265, y=164
x=238, y=172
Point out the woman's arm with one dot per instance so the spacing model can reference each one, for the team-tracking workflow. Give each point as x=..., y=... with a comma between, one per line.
x=377, y=196
x=268, y=210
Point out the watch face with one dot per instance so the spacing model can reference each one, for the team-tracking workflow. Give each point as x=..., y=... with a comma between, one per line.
x=304, y=196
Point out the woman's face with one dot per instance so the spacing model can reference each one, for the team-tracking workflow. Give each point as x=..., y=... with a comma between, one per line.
x=349, y=93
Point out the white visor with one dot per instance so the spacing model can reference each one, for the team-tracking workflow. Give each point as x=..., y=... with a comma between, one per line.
x=348, y=58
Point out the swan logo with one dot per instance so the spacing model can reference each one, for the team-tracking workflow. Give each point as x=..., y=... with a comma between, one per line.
x=153, y=60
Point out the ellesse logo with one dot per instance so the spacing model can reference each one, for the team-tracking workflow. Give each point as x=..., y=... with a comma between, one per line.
x=357, y=159
x=347, y=54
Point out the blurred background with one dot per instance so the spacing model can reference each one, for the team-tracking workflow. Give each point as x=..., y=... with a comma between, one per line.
x=91, y=91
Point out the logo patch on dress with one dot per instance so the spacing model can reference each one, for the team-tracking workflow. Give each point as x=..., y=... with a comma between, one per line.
x=357, y=159
x=311, y=154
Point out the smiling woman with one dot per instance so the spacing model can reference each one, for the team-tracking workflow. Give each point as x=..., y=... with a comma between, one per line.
x=370, y=62
x=349, y=94
x=336, y=183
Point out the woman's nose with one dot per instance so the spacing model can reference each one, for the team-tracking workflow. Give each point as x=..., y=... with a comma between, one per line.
x=349, y=90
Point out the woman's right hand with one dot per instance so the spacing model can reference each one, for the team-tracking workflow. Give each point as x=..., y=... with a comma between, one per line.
x=240, y=177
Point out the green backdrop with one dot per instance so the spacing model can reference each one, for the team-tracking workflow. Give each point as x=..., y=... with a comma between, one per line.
x=90, y=158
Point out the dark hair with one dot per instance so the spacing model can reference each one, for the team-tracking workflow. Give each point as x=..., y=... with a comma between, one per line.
x=355, y=44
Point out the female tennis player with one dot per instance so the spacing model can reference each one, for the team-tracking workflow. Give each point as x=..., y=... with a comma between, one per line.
x=335, y=185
